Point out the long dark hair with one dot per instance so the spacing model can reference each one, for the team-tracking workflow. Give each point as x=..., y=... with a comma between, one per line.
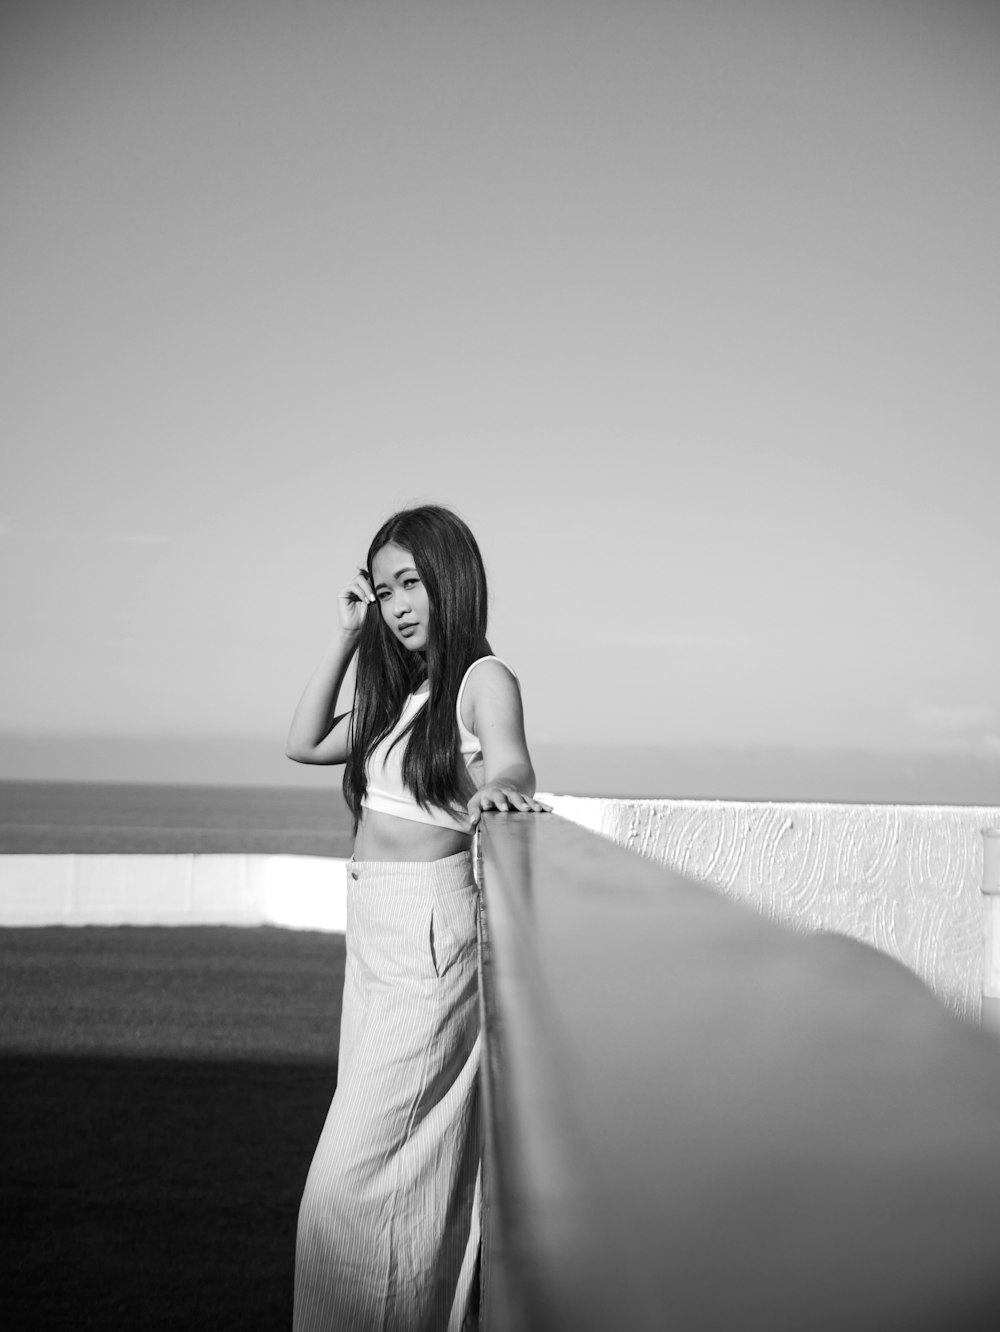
x=450, y=566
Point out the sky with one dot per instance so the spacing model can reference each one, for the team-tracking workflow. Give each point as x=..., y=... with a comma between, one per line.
x=691, y=310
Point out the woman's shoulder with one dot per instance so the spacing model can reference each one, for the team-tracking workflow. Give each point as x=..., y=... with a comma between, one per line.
x=485, y=671
x=489, y=677
x=490, y=663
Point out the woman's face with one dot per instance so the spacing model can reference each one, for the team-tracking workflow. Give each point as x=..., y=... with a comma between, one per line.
x=402, y=597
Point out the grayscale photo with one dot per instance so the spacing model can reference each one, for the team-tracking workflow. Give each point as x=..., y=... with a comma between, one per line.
x=500, y=671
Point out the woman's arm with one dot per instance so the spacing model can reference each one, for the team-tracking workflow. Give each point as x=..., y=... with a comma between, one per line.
x=497, y=720
x=316, y=735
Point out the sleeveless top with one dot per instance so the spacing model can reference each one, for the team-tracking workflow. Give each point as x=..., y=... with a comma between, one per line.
x=387, y=794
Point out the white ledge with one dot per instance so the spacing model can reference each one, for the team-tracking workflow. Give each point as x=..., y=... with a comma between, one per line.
x=298, y=892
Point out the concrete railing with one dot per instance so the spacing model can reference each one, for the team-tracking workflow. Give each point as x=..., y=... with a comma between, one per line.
x=699, y=1119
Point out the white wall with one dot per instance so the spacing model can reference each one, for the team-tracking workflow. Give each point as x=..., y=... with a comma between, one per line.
x=302, y=892
x=905, y=878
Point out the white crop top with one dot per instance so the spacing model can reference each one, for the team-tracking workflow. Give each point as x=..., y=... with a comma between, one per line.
x=387, y=794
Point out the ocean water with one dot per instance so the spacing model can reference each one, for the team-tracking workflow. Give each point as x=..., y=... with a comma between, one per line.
x=253, y=783
x=136, y=818
x=139, y=817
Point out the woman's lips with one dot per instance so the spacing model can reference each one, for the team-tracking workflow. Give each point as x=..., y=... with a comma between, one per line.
x=407, y=629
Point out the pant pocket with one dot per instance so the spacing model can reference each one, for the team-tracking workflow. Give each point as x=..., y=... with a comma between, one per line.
x=453, y=932
x=438, y=943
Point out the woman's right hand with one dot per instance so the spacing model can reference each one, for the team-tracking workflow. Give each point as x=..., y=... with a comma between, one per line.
x=354, y=601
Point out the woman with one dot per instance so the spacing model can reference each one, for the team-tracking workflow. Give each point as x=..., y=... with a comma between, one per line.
x=388, y=1233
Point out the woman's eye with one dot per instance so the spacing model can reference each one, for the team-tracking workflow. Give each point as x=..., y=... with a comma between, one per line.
x=410, y=582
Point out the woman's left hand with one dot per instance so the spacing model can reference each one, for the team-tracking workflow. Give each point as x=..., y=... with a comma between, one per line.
x=505, y=798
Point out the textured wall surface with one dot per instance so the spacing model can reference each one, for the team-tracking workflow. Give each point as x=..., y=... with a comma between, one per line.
x=905, y=878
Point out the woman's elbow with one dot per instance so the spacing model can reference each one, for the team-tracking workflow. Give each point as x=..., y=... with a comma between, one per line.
x=297, y=754
x=325, y=755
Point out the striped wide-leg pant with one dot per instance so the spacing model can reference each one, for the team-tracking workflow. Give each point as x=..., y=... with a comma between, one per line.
x=388, y=1233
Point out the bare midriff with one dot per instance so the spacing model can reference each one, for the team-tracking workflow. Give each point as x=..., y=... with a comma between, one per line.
x=386, y=837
